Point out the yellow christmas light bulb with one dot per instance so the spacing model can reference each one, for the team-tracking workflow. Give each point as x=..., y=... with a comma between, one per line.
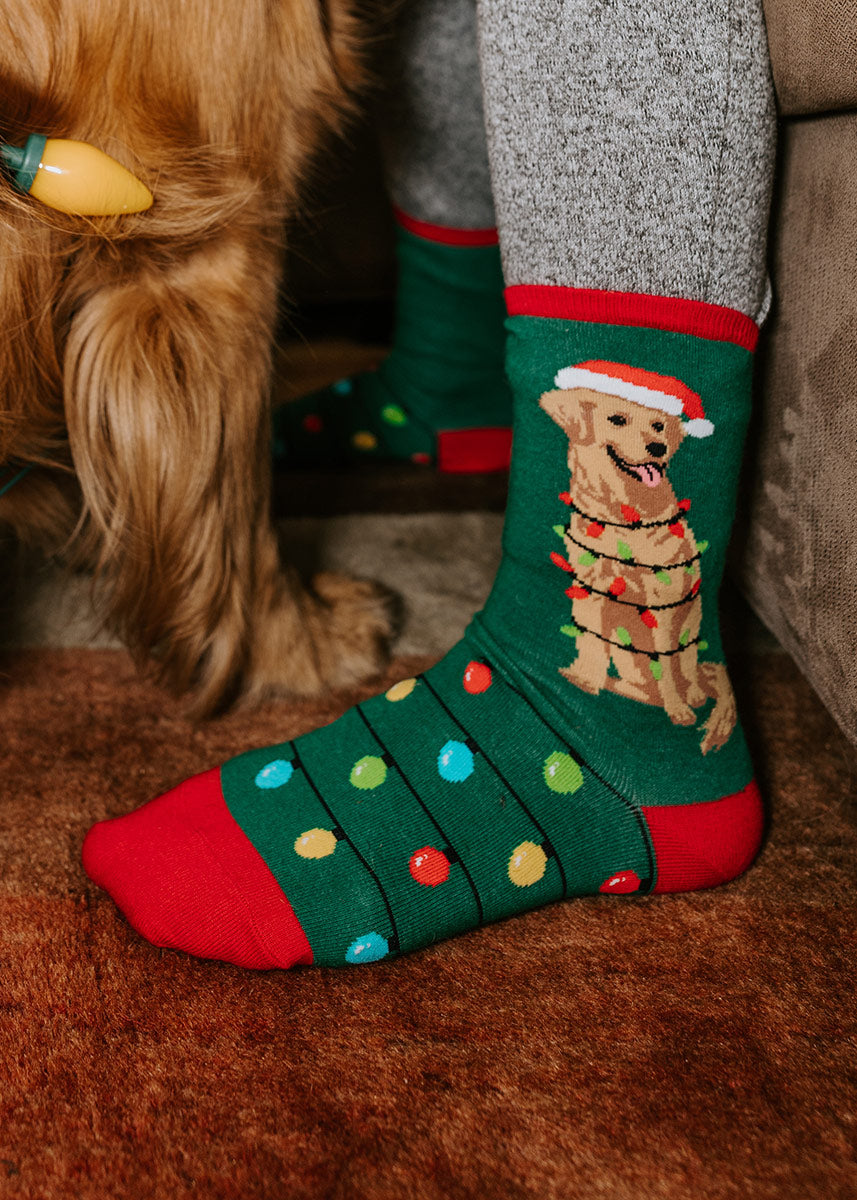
x=527, y=864
x=316, y=843
x=401, y=690
x=75, y=177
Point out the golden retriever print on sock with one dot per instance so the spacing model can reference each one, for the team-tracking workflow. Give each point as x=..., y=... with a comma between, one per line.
x=632, y=561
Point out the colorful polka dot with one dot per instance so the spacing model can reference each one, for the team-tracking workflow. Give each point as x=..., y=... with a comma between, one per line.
x=562, y=774
x=342, y=387
x=368, y=772
x=429, y=866
x=275, y=774
x=312, y=423
x=316, y=843
x=394, y=414
x=527, y=864
x=455, y=762
x=401, y=690
x=364, y=440
x=477, y=678
x=368, y=948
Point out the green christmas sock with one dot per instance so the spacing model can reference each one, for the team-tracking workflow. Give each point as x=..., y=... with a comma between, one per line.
x=441, y=396
x=581, y=739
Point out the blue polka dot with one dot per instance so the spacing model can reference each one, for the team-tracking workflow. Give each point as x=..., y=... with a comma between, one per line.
x=275, y=774
x=455, y=762
x=342, y=387
x=368, y=948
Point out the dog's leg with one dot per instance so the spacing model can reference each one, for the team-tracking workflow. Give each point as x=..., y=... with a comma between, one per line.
x=589, y=669
x=630, y=682
x=166, y=378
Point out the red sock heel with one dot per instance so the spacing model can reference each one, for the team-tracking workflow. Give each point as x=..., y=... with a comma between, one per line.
x=703, y=845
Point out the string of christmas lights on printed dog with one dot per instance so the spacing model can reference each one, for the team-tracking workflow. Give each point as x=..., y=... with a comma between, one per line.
x=663, y=394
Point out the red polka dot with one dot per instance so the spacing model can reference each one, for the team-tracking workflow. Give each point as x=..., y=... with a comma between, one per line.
x=621, y=883
x=477, y=678
x=576, y=592
x=683, y=505
x=649, y=619
x=677, y=529
x=565, y=497
x=696, y=587
x=421, y=459
x=429, y=866
x=630, y=514
x=617, y=587
x=312, y=423
x=595, y=530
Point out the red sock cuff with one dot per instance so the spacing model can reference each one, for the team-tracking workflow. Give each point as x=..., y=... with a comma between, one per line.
x=695, y=317
x=447, y=235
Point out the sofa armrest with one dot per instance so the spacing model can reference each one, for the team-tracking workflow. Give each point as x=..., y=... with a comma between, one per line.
x=813, y=46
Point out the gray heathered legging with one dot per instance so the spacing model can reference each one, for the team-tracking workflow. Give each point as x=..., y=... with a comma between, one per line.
x=630, y=141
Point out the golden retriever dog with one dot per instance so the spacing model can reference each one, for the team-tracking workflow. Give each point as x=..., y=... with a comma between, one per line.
x=635, y=562
x=136, y=350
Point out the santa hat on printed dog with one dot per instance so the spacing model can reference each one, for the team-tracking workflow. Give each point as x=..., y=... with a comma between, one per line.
x=662, y=392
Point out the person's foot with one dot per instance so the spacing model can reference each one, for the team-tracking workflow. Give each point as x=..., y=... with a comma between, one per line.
x=582, y=739
x=441, y=397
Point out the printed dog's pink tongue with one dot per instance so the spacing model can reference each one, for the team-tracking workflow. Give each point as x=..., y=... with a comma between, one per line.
x=650, y=473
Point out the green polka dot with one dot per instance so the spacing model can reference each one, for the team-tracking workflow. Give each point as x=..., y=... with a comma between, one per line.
x=663, y=576
x=562, y=774
x=394, y=414
x=656, y=669
x=587, y=558
x=623, y=550
x=623, y=636
x=368, y=772
x=570, y=630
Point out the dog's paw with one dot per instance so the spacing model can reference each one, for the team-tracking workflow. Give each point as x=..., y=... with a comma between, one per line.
x=359, y=620
x=580, y=681
x=681, y=714
x=334, y=634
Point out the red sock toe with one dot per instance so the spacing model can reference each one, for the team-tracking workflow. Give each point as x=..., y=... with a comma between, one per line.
x=186, y=877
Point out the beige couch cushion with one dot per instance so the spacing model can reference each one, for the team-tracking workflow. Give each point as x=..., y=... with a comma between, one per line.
x=799, y=562
x=813, y=47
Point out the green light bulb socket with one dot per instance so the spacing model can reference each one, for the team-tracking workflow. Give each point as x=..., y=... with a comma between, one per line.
x=23, y=161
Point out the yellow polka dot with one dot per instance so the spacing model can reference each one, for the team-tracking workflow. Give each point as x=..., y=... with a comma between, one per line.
x=527, y=864
x=364, y=440
x=400, y=690
x=315, y=843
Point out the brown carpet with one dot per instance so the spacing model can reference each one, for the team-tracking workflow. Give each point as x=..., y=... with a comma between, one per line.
x=681, y=1047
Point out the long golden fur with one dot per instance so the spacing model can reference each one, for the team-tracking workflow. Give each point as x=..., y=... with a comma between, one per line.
x=135, y=354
